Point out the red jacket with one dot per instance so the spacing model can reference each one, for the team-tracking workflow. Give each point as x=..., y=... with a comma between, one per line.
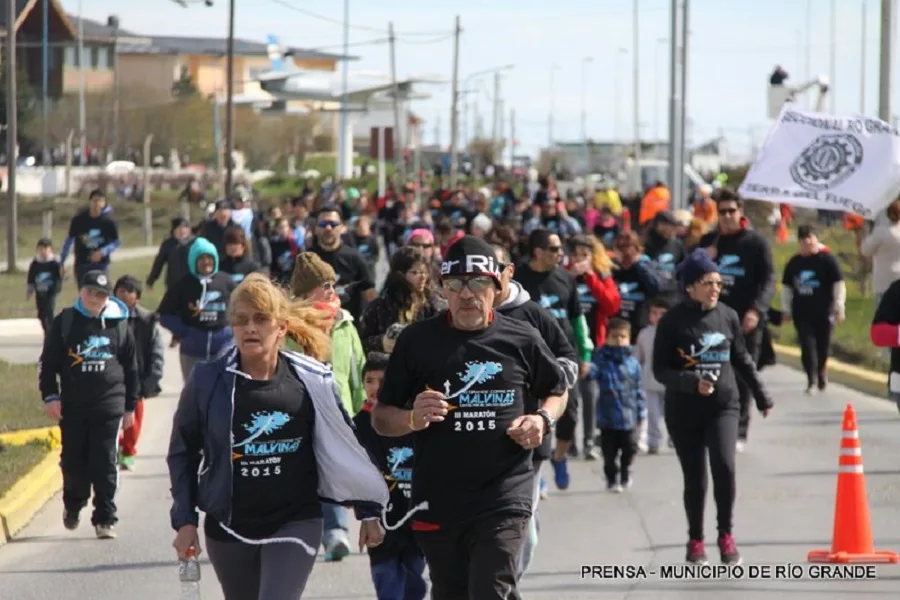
x=606, y=293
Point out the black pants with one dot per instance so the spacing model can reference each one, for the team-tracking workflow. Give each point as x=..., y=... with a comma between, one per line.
x=565, y=427
x=46, y=310
x=814, y=336
x=89, y=446
x=477, y=561
x=587, y=388
x=754, y=345
x=715, y=432
x=618, y=448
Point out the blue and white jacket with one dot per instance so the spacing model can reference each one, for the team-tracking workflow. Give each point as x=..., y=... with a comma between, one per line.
x=621, y=402
x=201, y=440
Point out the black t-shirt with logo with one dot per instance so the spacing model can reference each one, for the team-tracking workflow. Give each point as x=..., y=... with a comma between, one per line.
x=275, y=478
x=90, y=234
x=637, y=286
x=353, y=276
x=556, y=291
x=44, y=277
x=811, y=279
x=394, y=457
x=467, y=466
x=665, y=256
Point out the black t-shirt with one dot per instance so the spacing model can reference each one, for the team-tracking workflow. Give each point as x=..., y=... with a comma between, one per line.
x=811, y=279
x=90, y=234
x=394, y=457
x=353, y=276
x=283, y=253
x=275, y=477
x=467, y=466
x=44, y=277
x=588, y=304
x=635, y=293
x=554, y=290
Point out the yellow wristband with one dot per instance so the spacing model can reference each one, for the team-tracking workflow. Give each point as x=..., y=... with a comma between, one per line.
x=412, y=420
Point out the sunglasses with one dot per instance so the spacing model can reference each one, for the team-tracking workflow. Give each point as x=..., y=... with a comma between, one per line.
x=553, y=249
x=476, y=284
x=727, y=211
x=332, y=224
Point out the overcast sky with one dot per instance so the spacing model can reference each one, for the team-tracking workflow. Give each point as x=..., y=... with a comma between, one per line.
x=734, y=46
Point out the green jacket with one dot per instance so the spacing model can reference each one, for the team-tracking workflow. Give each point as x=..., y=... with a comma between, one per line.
x=347, y=362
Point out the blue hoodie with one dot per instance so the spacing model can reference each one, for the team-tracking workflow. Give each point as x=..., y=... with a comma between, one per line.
x=195, y=310
x=621, y=403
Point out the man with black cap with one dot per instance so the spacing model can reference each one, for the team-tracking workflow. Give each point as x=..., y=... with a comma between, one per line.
x=88, y=374
x=479, y=401
x=664, y=250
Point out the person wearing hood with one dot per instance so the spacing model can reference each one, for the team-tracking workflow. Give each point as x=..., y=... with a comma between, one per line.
x=88, y=371
x=748, y=276
x=698, y=352
x=813, y=296
x=314, y=280
x=238, y=260
x=664, y=250
x=95, y=236
x=195, y=309
x=514, y=302
x=172, y=254
x=621, y=403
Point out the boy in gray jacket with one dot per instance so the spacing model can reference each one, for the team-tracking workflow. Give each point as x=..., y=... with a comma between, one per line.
x=653, y=389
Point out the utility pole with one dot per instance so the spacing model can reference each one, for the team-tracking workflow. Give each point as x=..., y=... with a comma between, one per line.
x=45, y=83
x=229, y=105
x=113, y=22
x=684, y=139
x=399, y=158
x=676, y=140
x=82, y=107
x=343, y=169
x=495, y=118
x=862, y=61
x=454, y=109
x=887, y=48
x=637, y=86
x=12, y=134
x=512, y=138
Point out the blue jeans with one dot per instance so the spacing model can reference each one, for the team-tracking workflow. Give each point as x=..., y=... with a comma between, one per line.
x=401, y=578
x=531, y=533
x=335, y=525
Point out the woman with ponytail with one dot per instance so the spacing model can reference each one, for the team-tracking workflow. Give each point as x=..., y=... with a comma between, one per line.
x=259, y=440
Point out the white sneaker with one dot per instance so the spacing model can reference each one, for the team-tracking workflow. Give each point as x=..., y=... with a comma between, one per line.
x=105, y=532
x=740, y=446
x=614, y=488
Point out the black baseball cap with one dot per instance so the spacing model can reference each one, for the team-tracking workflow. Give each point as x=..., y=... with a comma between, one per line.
x=96, y=280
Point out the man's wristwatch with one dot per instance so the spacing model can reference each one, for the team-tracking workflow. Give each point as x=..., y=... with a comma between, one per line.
x=549, y=421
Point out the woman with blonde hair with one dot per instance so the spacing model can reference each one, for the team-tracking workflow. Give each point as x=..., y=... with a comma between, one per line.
x=259, y=440
x=591, y=266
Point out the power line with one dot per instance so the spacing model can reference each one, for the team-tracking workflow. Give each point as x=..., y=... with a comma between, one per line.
x=320, y=17
x=438, y=40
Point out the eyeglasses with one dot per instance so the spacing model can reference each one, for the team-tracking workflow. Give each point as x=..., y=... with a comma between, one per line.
x=476, y=284
x=243, y=320
x=332, y=224
x=711, y=283
x=727, y=211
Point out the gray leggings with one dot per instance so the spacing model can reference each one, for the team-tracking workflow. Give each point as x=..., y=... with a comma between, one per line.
x=268, y=571
x=187, y=364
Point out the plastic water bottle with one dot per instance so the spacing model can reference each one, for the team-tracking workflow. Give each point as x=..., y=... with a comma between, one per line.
x=189, y=574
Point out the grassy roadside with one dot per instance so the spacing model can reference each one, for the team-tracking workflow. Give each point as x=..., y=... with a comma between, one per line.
x=20, y=401
x=851, y=342
x=17, y=461
x=13, y=304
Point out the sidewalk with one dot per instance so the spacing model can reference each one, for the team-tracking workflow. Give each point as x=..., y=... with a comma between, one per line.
x=120, y=254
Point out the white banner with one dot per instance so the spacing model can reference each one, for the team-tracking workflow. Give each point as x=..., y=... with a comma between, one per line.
x=827, y=162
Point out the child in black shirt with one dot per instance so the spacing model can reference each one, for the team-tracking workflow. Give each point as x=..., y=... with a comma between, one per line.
x=397, y=564
x=44, y=282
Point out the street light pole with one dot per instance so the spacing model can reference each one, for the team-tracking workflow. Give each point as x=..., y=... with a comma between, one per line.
x=345, y=145
x=229, y=105
x=12, y=132
x=676, y=140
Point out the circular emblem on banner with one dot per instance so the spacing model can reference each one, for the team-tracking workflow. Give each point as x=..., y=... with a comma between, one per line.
x=101, y=279
x=827, y=162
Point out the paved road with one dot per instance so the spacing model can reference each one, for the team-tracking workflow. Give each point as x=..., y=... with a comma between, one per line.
x=120, y=254
x=786, y=494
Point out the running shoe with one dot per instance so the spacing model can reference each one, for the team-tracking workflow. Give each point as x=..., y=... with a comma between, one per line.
x=560, y=473
x=696, y=553
x=728, y=552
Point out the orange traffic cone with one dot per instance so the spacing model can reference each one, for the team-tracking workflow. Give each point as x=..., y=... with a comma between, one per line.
x=852, y=539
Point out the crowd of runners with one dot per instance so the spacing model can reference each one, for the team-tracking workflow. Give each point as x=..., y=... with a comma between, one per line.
x=427, y=403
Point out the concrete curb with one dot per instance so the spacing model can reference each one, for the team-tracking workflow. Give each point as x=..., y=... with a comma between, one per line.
x=29, y=495
x=866, y=381
x=14, y=328
x=24, y=436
